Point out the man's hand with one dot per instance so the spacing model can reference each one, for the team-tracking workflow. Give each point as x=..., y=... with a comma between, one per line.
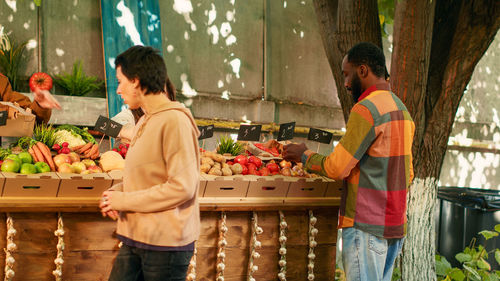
x=45, y=99
x=293, y=152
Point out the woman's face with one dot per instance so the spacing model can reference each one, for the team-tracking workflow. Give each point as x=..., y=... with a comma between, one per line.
x=129, y=90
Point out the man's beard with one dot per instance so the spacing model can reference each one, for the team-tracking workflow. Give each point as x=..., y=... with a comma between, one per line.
x=356, y=88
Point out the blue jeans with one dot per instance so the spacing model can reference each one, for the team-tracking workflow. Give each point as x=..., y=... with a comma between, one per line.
x=367, y=257
x=135, y=264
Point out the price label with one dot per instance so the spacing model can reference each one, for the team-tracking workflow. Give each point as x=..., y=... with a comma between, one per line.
x=249, y=132
x=3, y=117
x=107, y=126
x=286, y=131
x=319, y=135
x=206, y=132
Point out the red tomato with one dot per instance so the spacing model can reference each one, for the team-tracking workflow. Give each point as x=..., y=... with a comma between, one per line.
x=275, y=173
x=255, y=160
x=242, y=159
x=229, y=163
x=41, y=81
x=264, y=171
x=251, y=167
x=273, y=167
x=245, y=170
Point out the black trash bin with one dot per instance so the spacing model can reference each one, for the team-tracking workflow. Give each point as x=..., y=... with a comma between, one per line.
x=462, y=213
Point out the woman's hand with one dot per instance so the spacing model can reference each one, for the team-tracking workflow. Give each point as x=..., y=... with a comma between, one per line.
x=105, y=205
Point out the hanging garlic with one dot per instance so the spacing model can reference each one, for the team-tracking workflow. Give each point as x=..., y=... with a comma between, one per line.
x=312, y=244
x=254, y=245
x=59, y=260
x=11, y=247
x=191, y=276
x=221, y=251
x=282, y=251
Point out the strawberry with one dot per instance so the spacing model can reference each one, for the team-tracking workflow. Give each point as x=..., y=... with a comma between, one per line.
x=41, y=81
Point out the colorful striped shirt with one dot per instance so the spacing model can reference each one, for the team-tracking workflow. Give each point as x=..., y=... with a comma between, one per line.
x=375, y=161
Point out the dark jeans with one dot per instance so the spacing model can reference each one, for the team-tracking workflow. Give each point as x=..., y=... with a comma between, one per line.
x=134, y=264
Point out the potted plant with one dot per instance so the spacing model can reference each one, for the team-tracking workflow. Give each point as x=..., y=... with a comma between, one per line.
x=10, y=58
x=77, y=83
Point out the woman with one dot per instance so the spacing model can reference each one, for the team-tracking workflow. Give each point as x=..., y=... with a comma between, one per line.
x=157, y=203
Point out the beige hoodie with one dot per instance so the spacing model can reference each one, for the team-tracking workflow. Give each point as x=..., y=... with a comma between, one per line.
x=159, y=194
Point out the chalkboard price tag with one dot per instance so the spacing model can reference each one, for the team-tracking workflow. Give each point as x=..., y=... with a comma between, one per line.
x=286, y=131
x=249, y=132
x=107, y=126
x=3, y=117
x=206, y=132
x=319, y=135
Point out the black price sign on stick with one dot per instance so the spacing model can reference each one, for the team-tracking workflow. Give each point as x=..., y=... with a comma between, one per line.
x=249, y=132
x=107, y=126
x=206, y=132
x=3, y=117
x=286, y=131
x=319, y=135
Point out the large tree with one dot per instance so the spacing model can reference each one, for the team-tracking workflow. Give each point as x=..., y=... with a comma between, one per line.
x=436, y=46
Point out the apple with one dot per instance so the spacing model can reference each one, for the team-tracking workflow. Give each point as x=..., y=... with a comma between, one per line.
x=94, y=169
x=25, y=157
x=10, y=165
x=15, y=158
x=41, y=81
x=42, y=167
x=28, y=169
x=65, y=168
x=78, y=167
x=60, y=159
x=88, y=162
x=74, y=157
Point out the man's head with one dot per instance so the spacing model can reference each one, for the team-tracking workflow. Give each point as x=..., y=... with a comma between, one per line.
x=362, y=67
x=146, y=65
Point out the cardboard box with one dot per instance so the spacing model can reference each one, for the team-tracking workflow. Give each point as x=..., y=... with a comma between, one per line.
x=116, y=176
x=2, y=183
x=306, y=187
x=228, y=186
x=34, y=185
x=333, y=187
x=19, y=124
x=203, y=185
x=268, y=186
x=89, y=185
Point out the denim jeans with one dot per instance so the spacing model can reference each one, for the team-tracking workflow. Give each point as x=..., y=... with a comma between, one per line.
x=367, y=257
x=135, y=264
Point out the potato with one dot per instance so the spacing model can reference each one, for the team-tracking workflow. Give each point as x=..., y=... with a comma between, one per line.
x=215, y=172
x=219, y=158
x=207, y=160
x=217, y=165
x=224, y=165
x=205, y=168
x=237, y=169
x=226, y=172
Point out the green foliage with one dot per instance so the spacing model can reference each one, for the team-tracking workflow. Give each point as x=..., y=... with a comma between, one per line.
x=4, y=152
x=473, y=259
x=11, y=56
x=44, y=133
x=37, y=2
x=226, y=144
x=396, y=274
x=24, y=143
x=77, y=83
x=385, y=14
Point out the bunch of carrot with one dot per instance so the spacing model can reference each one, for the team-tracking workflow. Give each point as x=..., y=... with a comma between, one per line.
x=88, y=150
x=41, y=153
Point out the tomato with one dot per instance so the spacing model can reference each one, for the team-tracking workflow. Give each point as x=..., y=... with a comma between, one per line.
x=245, y=170
x=255, y=160
x=242, y=159
x=41, y=81
x=273, y=167
x=251, y=167
x=264, y=171
x=230, y=163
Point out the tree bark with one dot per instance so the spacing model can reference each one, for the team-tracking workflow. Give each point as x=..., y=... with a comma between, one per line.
x=343, y=24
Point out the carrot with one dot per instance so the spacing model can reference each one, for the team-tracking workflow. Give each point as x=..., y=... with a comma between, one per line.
x=96, y=153
x=85, y=148
x=46, y=154
x=76, y=147
x=92, y=151
x=38, y=153
x=33, y=155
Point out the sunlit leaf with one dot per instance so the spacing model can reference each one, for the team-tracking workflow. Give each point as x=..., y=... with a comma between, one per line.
x=456, y=274
x=481, y=263
x=461, y=257
x=488, y=234
x=474, y=275
x=497, y=228
x=442, y=266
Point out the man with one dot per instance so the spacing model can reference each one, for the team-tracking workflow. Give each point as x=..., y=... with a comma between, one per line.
x=374, y=158
x=41, y=107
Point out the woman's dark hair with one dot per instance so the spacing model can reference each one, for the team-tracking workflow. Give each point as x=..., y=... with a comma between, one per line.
x=146, y=64
x=368, y=54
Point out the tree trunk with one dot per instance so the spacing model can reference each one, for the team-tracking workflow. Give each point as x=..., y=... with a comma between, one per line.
x=430, y=77
x=343, y=24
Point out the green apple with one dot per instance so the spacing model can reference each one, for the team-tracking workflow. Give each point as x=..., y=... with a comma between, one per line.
x=15, y=158
x=28, y=168
x=65, y=168
x=78, y=167
x=10, y=165
x=25, y=157
x=42, y=167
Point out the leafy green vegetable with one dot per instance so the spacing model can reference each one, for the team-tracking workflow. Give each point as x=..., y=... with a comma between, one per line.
x=24, y=143
x=4, y=152
x=78, y=83
x=226, y=144
x=44, y=133
x=84, y=133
